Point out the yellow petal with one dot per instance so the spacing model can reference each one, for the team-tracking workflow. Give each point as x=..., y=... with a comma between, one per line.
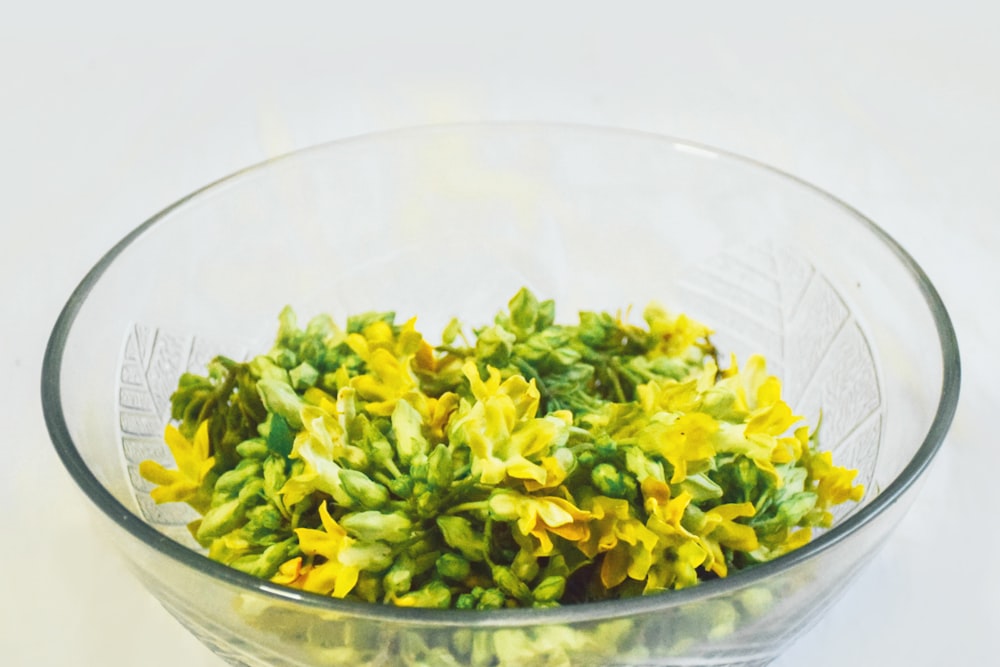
x=614, y=567
x=288, y=572
x=346, y=580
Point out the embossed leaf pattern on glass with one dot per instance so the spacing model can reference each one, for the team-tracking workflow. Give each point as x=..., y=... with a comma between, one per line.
x=767, y=299
x=152, y=362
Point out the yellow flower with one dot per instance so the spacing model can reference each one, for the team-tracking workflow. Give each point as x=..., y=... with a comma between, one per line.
x=790, y=449
x=678, y=552
x=387, y=358
x=502, y=432
x=291, y=573
x=751, y=384
x=434, y=413
x=538, y=516
x=669, y=396
x=333, y=559
x=681, y=440
x=834, y=483
x=193, y=465
x=721, y=530
x=790, y=541
x=675, y=335
x=766, y=419
x=317, y=445
x=626, y=543
x=555, y=475
x=522, y=394
x=387, y=380
x=321, y=399
x=439, y=412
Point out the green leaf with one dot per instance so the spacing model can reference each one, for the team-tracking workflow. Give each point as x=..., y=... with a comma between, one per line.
x=279, y=436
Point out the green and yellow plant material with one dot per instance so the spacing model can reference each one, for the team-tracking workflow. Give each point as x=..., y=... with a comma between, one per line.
x=530, y=464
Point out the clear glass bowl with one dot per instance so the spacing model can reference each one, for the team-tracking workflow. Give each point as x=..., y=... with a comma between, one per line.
x=452, y=220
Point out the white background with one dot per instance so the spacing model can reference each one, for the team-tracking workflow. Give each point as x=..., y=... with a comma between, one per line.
x=109, y=112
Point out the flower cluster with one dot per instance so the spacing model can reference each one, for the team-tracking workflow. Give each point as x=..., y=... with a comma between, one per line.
x=540, y=464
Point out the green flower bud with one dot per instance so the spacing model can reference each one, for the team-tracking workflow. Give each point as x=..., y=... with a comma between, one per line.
x=550, y=589
x=508, y=582
x=280, y=398
x=612, y=482
x=303, y=376
x=398, y=579
x=466, y=601
x=284, y=357
x=252, y=492
x=419, y=467
x=265, y=564
x=451, y=332
x=493, y=346
x=597, y=329
x=263, y=524
x=369, y=587
x=371, y=525
x=424, y=545
x=274, y=478
x=407, y=423
x=523, y=311
x=254, y=448
x=525, y=565
x=452, y=566
x=367, y=493
x=694, y=519
x=373, y=441
x=220, y=520
x=492, y=598
x=401, y=487
x=546, y=314
x=428, y=501
x=230, y=483
x=424, y=562
x=264, y=368
x=434, y=595
x=459, y=534
x=371, y=557
x=440, y=467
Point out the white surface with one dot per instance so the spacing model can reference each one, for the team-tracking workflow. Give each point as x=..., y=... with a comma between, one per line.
x=108, y=114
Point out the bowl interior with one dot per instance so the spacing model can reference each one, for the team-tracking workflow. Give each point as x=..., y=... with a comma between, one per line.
x=451, y=221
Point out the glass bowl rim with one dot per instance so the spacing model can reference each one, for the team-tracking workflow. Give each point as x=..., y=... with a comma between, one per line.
x=591, y=611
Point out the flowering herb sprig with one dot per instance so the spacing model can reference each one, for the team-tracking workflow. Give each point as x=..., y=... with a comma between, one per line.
x=534, y=464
